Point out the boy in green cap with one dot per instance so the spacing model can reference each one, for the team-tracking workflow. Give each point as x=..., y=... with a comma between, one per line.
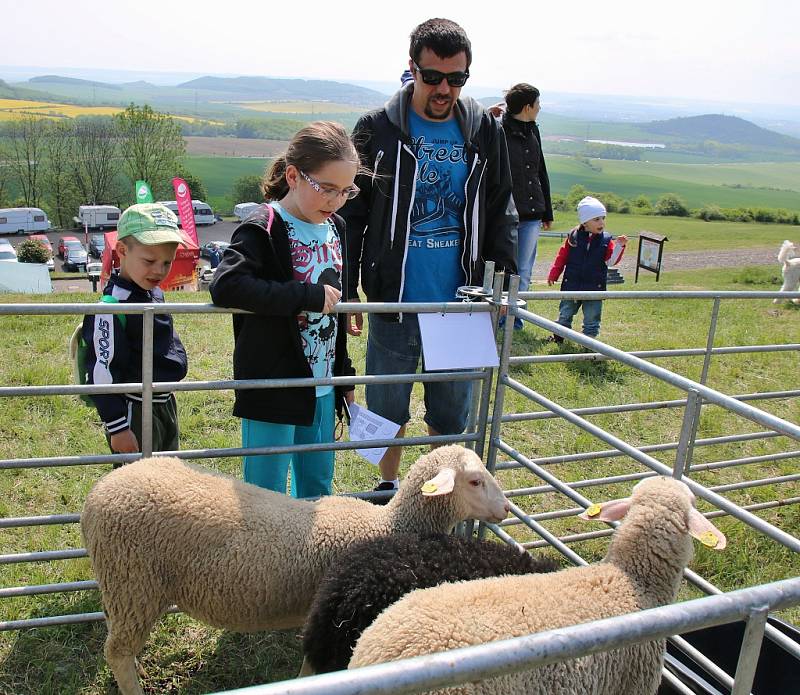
x=147, y=240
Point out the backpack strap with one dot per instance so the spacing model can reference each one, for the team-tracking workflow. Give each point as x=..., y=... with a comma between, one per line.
x=111, y=299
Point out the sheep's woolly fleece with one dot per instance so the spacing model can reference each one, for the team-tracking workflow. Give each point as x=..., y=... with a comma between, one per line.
x=642, y=569
x=161, y=531
x=373, y=574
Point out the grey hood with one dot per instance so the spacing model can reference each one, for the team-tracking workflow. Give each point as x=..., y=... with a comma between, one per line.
x=468, y=112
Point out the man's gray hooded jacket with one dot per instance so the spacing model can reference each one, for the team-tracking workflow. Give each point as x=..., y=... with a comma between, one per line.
x=378, y=219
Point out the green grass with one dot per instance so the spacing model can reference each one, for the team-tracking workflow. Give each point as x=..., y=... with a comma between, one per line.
x=185, y=656
x=697, y=184
x=770, y=185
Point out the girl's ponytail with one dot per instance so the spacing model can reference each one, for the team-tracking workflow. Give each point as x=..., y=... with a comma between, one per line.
x=274, y=185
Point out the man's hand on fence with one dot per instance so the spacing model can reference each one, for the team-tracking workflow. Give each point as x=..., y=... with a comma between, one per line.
x=355, y=322
x=124, y=442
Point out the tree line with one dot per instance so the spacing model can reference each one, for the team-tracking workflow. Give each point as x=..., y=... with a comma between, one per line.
x=58, y=165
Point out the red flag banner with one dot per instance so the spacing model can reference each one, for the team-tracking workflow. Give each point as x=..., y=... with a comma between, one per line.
x=183, y=197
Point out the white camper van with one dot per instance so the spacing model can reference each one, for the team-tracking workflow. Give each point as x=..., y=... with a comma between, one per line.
x=242, y=210
x=203, y=214
x=23, y=221
x=98, y=216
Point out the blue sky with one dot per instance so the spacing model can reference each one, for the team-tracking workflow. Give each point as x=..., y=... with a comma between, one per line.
x=719, y=51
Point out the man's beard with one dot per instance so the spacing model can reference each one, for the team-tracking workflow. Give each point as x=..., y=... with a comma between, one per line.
x=438, y=116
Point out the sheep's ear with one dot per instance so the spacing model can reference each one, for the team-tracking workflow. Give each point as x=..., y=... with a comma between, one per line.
x=705, y=532
x=613, y=510
x=442, y=484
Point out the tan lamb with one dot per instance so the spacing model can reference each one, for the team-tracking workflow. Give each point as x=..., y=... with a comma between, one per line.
x=161, y=531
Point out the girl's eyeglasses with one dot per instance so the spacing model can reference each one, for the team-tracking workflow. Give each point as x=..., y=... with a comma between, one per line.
x=330, y=192
x=434, y=77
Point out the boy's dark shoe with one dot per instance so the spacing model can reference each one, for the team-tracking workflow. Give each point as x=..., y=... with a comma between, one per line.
x=384, y=486
x=557, y=339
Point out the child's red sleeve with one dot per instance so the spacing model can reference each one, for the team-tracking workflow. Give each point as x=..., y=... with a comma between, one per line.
x=558, y=264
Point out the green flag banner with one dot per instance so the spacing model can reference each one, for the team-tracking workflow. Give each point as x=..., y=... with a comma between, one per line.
x=143, y=192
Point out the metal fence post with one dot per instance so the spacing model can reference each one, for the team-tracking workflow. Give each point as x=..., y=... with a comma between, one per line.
x=146, y=445
x=712, y=329
x=691, y=418
x=749, y=653
x=502, y=372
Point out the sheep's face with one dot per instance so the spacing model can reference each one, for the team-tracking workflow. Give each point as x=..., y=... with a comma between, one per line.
x=788, y=251
x=474, y=489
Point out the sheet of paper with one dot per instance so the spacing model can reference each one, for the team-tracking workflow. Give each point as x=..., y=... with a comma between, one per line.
x=366, y=425
x=458, y=341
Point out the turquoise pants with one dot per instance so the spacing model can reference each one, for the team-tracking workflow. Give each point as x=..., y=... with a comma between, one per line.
x=312, y=471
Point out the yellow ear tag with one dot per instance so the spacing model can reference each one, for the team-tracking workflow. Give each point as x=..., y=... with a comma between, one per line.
x=594, y=510
x=708, y=538
x=429, y=487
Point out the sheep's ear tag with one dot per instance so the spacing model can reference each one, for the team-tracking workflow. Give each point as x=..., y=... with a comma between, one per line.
x=430, y=486
x=594, y=510
x=708, y=538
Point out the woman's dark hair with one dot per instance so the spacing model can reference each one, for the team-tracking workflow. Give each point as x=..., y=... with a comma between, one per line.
x=311, y=148
x=442, y=36
x=520, y=96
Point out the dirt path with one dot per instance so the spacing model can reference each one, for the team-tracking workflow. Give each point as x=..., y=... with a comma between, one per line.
x=688, y=260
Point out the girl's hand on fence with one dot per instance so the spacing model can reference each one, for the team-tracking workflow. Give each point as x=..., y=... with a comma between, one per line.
x=622, y=240
x=124, y=442
x=332, y=297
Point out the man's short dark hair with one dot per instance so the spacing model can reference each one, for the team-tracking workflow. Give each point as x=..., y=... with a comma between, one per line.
x=442, y=36
x=520, y=96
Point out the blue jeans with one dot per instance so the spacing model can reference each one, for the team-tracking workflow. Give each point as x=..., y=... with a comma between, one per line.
x=527, y=242
x=592, y=311
x=312, y=471
x=394, y=348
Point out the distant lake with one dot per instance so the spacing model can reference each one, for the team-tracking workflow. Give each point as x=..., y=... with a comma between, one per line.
x=648, y=145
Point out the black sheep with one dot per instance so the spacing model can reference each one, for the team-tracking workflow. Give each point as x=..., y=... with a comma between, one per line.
x=372, y=575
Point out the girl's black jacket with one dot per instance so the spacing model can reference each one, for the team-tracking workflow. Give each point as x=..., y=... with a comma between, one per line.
x=256, y=274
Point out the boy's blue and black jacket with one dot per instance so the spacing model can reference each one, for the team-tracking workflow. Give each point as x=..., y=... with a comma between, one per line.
x=256, y=274
x=114, y=354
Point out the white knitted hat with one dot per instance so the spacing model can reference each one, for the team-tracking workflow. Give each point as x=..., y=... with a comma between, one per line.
x=589, y=208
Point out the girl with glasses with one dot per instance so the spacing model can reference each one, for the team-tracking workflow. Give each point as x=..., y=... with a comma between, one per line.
x=286, y=264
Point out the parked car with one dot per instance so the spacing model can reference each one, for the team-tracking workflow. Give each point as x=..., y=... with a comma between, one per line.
x=75, y=257
x=97, y=244
x=7, y=252
x=62, y=244
x=44, y=241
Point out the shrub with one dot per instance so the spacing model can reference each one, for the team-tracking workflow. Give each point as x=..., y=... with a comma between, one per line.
x=672, y=205
x=709, y=212
x=642, y=204
x=32, y=251
x=559, y=202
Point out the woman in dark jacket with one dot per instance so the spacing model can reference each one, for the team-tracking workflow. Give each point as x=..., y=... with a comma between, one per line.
x=287, y=264
x=531, y=187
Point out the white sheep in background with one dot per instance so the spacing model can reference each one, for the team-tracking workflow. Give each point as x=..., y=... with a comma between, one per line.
x=789, y=258
x=162, y=532
x=642, y=569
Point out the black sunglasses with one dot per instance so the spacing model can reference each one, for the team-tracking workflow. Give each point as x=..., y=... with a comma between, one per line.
x=432, y=77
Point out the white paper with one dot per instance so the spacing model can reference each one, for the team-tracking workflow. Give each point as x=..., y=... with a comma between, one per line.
x=458, y=341
x=366, y=425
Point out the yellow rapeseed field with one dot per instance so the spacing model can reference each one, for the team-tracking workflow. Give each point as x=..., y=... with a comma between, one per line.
x=17, y=108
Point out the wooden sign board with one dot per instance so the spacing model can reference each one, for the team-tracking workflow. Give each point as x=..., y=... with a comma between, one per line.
x=651, y=251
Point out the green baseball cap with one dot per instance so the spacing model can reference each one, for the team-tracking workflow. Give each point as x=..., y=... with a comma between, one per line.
x=150, y=223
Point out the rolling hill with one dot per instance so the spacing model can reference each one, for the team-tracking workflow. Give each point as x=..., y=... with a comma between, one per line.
x=724, y=129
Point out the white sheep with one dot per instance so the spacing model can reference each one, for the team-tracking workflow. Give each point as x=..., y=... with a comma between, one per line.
x=161, y=531
x=642, y=569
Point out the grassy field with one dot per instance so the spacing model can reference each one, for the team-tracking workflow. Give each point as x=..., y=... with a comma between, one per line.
x=697, y=184
x=300, y=107
x=184, y=656
x=770, y=185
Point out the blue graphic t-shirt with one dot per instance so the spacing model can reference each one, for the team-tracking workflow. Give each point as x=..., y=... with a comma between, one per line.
x=316, y=258
x=433, y=265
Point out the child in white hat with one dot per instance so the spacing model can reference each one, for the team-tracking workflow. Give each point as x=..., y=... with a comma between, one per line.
x=584, y=258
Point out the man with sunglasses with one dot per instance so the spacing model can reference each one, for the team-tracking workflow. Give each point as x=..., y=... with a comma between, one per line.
x=436, y=206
